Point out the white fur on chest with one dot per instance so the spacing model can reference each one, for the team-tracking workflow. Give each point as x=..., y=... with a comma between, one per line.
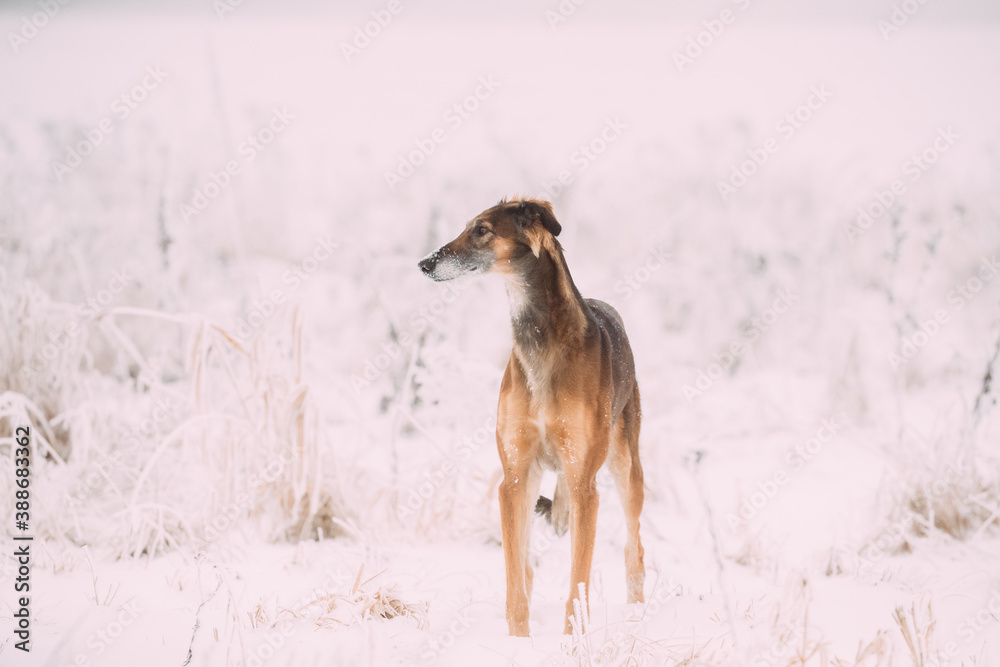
x=517, y=296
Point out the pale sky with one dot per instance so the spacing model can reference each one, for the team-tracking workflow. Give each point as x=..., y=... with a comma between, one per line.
x=528, y=10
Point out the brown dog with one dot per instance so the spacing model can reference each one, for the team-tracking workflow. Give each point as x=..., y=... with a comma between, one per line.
x=568, y=398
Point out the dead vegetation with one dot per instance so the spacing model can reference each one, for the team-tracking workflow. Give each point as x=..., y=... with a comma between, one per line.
x=242, y=414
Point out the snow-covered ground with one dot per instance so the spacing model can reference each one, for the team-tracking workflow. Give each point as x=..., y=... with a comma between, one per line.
x=263, y=438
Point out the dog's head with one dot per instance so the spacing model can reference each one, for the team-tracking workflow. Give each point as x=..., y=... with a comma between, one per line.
x=497, y=240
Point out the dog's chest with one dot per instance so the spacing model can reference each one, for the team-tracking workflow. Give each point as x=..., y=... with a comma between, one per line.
x=540, y=366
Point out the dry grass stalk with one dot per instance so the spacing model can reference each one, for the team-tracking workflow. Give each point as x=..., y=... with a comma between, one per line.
x=917, y=631
x=330, y=609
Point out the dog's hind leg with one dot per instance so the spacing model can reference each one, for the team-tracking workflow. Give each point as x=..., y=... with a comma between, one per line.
x=560, y=506
x=556, y=511
x=627, y=471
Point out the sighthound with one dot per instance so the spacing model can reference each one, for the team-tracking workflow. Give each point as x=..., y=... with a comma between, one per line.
x=568, y=399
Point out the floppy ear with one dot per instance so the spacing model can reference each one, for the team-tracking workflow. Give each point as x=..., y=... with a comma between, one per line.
x=526, y=214
x=533, y=210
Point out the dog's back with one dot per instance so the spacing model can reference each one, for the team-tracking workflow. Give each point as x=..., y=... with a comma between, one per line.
x=620, y=361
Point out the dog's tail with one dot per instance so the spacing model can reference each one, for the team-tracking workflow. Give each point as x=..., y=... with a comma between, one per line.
x=555, y=511
x=544, y=508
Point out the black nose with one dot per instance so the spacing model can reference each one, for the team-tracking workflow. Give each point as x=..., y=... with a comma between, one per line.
x=427, y=265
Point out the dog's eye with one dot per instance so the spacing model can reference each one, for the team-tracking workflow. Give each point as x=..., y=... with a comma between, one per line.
x=482, y=231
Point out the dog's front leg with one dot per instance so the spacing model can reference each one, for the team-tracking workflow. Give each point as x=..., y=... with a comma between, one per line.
x=513, y=520
x=518, y=438
x=582, y=452
x=584, y=500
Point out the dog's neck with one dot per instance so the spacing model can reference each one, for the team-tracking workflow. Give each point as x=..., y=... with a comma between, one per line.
x=546, y=309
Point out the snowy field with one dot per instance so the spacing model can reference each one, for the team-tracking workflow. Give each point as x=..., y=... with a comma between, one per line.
x=259, y=436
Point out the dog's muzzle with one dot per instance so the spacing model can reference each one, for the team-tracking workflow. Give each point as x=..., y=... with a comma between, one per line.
x=443, y=264
x=429, y=263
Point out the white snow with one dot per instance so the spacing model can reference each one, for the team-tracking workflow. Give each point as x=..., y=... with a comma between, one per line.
x=352, y=386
